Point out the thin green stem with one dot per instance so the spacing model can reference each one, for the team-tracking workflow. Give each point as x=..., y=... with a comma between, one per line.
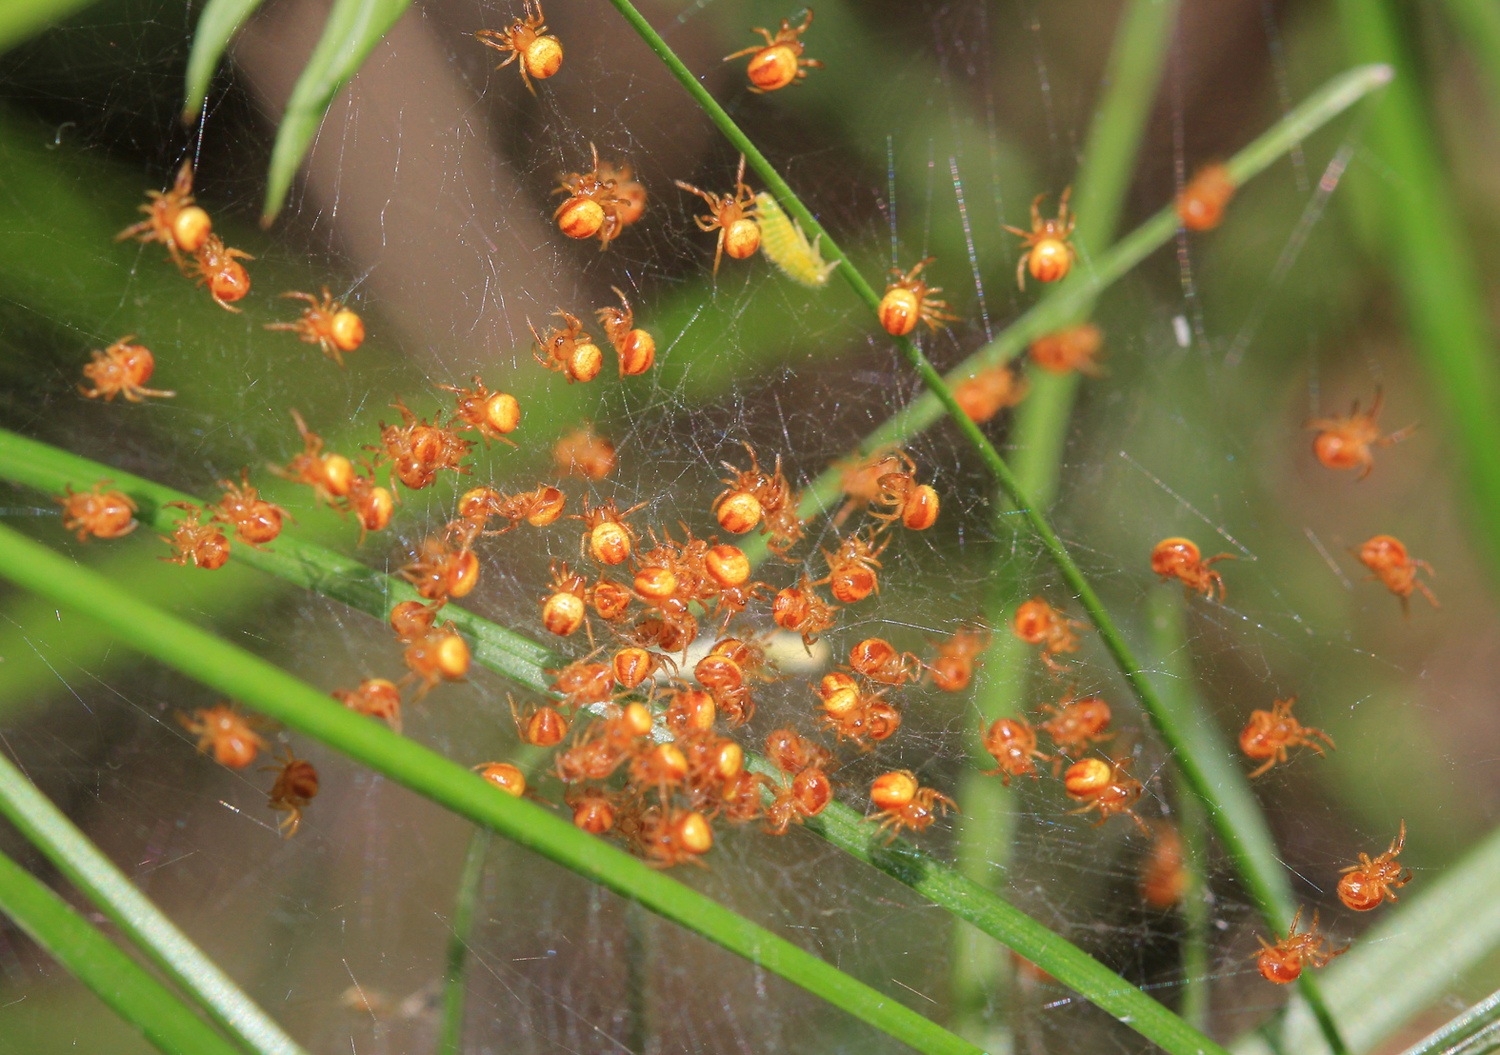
x=128, y=989
x=37, y=465
x=455, y=986
x=275, y=693
x=96, y=876
x=1260, y=871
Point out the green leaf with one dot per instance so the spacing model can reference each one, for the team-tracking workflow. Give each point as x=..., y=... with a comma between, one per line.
x=219, y=22
x=98, y=963
x=353, y=29
x=96, y=876
x=20, y=20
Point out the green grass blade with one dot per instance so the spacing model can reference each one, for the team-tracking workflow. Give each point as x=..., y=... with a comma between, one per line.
x=275, y=693
x=353, y=29
x=455, y=985
x=129, y=990
x=1470, y=1033
x=219, y=22
x=1432, y=261
x=20, y=20
x=96, y=876
x=38, y=465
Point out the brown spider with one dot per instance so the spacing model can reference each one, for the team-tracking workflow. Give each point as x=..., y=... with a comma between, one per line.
x=122, y=369
x=296, y=786
x=1269, y=733
x=540, y=55
x=1283, y=962
x=326, y=323
x=1367, y=884
x=1344, y=443
x=172, y=219
x=906, y=804
x=194, y=542
x=779, y=62
x=909, y=300
x=732, y=217
x=1049, y=255
x=569, y=350
x=591, y=207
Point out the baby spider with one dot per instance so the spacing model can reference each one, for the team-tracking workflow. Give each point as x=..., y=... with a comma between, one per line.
x=504, y=776
x=1387, y=560
x=220, y=267
x=1283, y=962
x=1076, y=724
x=375, y=698
x=591, y=206
x=957, y=658
x=565, y=607
x=226, y=731
x=1049, y=255
x=906, y=804
x=1201, y=204
x=636, y=348
x=172, y=219
x=1181, y=558
x=607, y=538
x=1269, y=733
x=780, y=61
x=732, y=217
x=440, y=655
x=439, y=571
x=542, y=726
x=668, y=837
x=1068, y=350
x=254, y=520
x=1164, y=881
x=97, y=512
x=1365, y=885
x=194, y=542
x=909, y=300
x=417, y=449
x=990, y=391
x=800, y=610
x=914, y=504
x=569, y=350
x=122, y=369
x=1104, y=787
x=329, y=475
x=296, y=786
x=1038, y=623
x=1012, y=742
x=586, y=454
x=851, y=571
x=1344, y=443
x=878, y=660
x=540, y=54
x=326, y=323
x=627, y=190
x=492, y=414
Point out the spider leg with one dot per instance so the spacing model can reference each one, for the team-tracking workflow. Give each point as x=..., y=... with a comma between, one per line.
x=1021, y=269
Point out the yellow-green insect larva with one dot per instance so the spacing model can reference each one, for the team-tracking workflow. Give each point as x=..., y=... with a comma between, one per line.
x=784, y=244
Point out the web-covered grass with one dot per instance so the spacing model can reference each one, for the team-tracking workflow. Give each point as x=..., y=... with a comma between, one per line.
x=426, y=204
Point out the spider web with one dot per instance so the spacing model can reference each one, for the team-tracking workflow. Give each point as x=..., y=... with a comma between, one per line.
x=425, y=204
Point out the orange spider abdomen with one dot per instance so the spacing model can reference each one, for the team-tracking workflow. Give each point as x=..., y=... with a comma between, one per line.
x=899, y=311
x=1050, y=260
x=773, y=68
x=1336, y=450
x=542, y=57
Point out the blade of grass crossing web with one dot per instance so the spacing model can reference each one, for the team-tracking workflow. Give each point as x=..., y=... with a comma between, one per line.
x=124, y=985
x=844, y=827
x=275, y=693
x=1432, y=261
x=455, y=986
x=353, y=29
x=1476, y=1030
x=217, y=25
x=93, y=874
x=1261, y=872
x=1109, y=156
